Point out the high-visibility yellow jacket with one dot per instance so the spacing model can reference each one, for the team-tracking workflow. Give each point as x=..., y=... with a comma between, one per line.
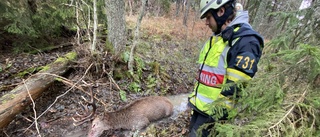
x=229, y=57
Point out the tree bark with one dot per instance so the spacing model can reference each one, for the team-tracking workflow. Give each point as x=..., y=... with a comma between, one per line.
x=274, y=8
x=32, y=6
x=260, y=15
x=130, y=2
x=178, y=5
x=16, y=100
x=186, y=13
x=95, y=27
x=136, y=35
x=115, y=10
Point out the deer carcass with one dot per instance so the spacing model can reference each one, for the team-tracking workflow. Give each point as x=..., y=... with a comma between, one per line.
x=134, y=116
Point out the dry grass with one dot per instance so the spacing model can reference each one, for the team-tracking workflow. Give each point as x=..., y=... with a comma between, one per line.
x=172, y=26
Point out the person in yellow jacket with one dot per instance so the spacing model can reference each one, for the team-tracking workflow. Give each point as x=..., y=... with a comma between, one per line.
x=230, y=55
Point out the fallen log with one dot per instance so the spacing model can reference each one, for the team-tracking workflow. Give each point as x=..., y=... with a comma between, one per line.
x=16, y=100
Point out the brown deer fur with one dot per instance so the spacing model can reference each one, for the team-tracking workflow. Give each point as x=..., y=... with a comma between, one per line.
x=135, y=116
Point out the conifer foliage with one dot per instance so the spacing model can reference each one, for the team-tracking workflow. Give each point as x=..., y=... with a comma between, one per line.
x=34, y=18
x=283, y=99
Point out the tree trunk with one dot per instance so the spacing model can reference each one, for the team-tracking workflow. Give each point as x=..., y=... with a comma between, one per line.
x=260, y=15
x=274, y=8
x=186, y=13
x=178, y=5
x=245, y=5
x=252, y=6
x=136, y=35
x=16, y=100
x=115, y=10
x=95, y=27
x=33, y=6
x=305, y=4
x=130, y=2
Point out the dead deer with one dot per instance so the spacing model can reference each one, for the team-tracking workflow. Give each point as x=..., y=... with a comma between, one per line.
x=134, y=116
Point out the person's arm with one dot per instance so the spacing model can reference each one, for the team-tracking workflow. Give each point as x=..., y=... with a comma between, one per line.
x=242, y=60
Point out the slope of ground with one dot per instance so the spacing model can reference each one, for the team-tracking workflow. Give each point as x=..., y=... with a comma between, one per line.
x=164, y=41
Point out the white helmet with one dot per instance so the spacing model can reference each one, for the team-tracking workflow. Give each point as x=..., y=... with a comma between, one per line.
x=206, y=5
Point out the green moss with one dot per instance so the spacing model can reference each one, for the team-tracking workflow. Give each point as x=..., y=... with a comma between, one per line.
x=156, y=67
x=59, y=79
x=44, y=68
x=118, y=74
x=69, y=56
x=7, y=97
x=29, y=71
x=109, y=47
x=60, y=59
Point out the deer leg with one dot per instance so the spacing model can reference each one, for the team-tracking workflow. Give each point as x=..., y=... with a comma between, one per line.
x=143, y=122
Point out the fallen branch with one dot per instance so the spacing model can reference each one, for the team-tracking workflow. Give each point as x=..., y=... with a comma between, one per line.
x=16, y=100
x=54, y=102
x=33, y=108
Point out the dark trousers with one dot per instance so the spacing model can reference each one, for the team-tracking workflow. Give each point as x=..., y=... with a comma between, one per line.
x=197, y=120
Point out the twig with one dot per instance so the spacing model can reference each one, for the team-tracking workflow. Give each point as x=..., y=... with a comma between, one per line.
x=95, y=26
x=314, y=119
x=290, y=110
x=77, y=21
x=33, y=107
x=80, y=88
x=69, y=83
x=114, y=82
x=6, y=133
x=62, y=95
x=302, y=60
x=5, y=87
x=24, y=117
x=89, y=17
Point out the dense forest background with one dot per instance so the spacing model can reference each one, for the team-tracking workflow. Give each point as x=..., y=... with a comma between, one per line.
x=127, y=49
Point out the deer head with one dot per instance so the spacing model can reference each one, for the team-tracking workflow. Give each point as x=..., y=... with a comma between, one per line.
x=98, y=126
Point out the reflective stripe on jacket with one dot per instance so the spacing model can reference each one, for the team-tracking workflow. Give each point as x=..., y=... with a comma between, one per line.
x=213, y=73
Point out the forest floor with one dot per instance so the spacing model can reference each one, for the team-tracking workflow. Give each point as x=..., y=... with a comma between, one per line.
x=164, y=41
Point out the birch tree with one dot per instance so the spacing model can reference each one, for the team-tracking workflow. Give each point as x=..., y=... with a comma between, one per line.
x=136, y=35
x=304, y=4
x=95, y=26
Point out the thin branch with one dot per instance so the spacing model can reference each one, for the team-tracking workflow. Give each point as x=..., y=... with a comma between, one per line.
x=88, y=26
x=33, y=107
x=291, y=123
x=314, y=118
x=69, y=83
x=61, y=95
x=136, y=36
x=114, y=82
x=95, y=26
x=290, y=110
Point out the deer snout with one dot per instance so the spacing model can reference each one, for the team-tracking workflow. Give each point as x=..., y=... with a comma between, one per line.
x=97, y=127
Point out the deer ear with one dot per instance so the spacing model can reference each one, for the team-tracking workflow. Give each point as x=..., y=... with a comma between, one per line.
x=93, y=125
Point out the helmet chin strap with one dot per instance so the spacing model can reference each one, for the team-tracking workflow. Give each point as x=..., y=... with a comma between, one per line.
x=222, y=19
